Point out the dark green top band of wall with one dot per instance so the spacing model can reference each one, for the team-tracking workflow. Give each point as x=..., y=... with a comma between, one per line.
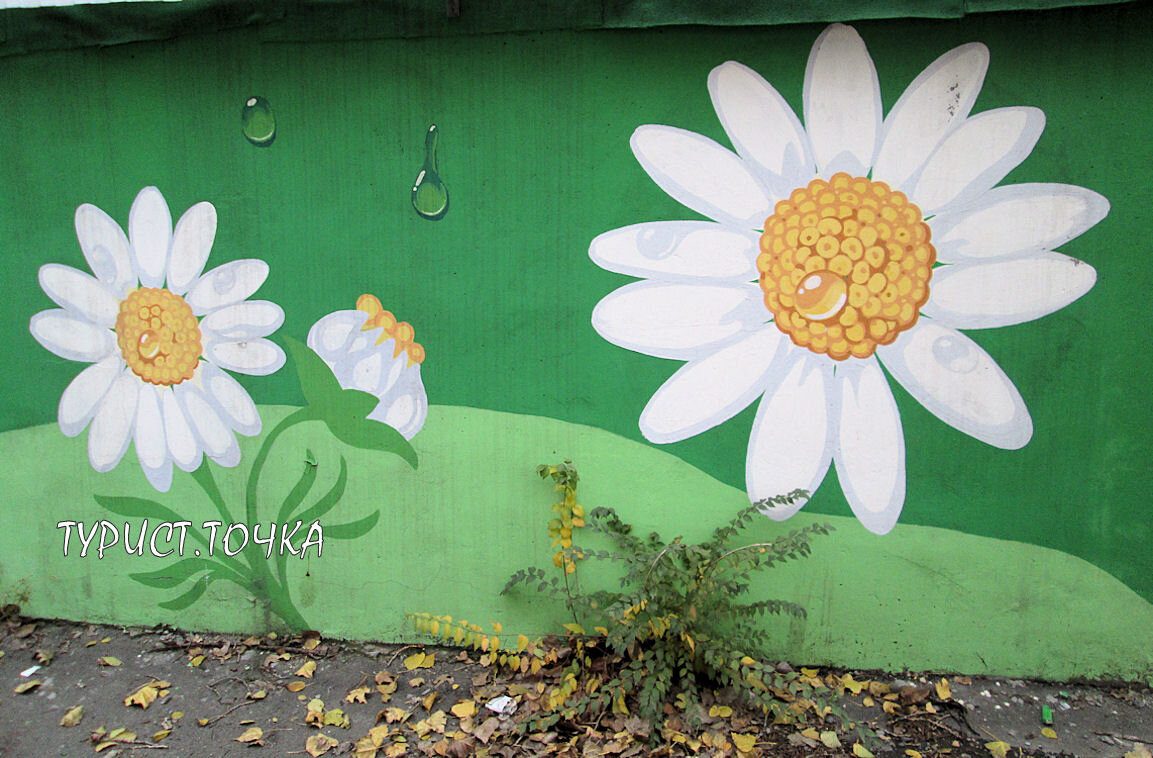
x=25, y=30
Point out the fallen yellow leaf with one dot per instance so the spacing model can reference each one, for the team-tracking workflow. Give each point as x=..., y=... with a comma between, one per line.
x=464, y=709
x=252, y=734
x=296, y=686
x=26, y=686
x=943, y=690
x=109, y=660
x=744, y=742
x=861, y=751
x=72, y=718
x=998, y=749
x=1049, y=732
x=319, y=744
x=419, y=661
x=307, y=669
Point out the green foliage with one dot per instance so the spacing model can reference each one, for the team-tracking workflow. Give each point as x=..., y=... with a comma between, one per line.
x=679, y=621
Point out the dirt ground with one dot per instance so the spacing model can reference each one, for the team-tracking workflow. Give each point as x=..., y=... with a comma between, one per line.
x=212, y=696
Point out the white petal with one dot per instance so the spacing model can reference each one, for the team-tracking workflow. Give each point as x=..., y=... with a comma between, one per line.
x=213, y=435
x=80, y=293
x=191, y=244
x=702, y=175
x=792, y=441
x=712, y=390
x=959, y=383
x=180, y=437
x=231, y=401
x=112, y=426
x=1001, y=293
x=229, y=457
x=105, y=248
x=405, y=406
x=82, y=397
x=150, y=233
x=842, y=100
x=257, y=357
x=150, y=440
x=870, y=458
x=761, y=125
x=678, y=251
x=227, y=284
x=243, y=321
x=70, y=337
x=1016, y=220
x=977, y=155
x=681, y=321
x=330, y=334
x=160, y=477
x=937, y=100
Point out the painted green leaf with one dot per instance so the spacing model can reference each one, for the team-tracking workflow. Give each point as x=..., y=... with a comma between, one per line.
x=173, y=575
x=137, y=507
x=344, y=411
x=188, y=598
x=323, y=394
x=371, y=435
x=329, y=499
x=352, y=530
x=298, y=493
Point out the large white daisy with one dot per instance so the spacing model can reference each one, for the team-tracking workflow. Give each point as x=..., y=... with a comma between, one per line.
x=369, y=350
x=158, y=331
x=834, y=247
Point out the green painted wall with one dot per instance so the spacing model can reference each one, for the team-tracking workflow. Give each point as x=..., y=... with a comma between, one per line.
x=991, y=546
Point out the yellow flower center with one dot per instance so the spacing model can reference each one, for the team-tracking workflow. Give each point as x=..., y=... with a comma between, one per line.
x=402, y=331
x=158, y=336
x=845, y=265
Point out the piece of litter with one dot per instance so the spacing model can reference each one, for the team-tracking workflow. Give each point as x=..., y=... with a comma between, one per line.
x=29, y=671
x=504, y=705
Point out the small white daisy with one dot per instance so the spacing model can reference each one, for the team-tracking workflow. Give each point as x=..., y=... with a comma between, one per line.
x=369, y=350
x=158, y=330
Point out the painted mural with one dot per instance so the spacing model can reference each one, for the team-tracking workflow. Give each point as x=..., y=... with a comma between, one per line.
x=867, y=276
x=854, y=226
x=161, y=333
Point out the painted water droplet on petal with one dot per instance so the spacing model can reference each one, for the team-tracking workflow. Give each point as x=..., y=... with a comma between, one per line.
x=955, y=354
x=257, y=121
x=224, y=280
x=429, y=193
x=656, y=242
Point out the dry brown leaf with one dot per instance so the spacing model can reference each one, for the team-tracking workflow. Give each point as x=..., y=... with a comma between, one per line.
x=23, y=631
x=485, y=730
x=44, y=656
